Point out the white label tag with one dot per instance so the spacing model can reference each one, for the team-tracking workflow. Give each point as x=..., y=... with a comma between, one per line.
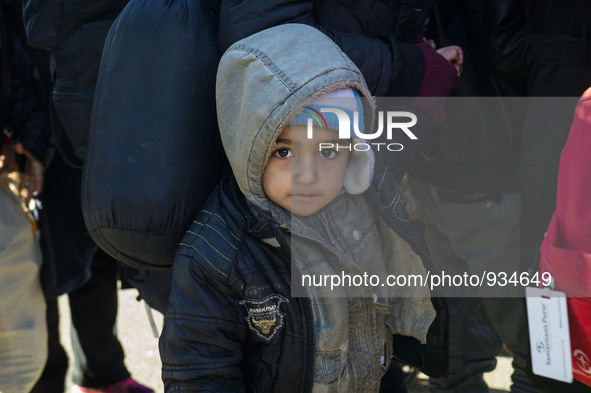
x=548, y=334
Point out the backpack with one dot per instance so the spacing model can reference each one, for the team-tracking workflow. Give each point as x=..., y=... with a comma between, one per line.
x=154, y=152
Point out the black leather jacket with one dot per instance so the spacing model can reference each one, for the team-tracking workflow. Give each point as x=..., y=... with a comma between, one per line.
x=257, y=267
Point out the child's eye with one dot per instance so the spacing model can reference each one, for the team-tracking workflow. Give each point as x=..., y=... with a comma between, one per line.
x=328, y=153
x=283, y=152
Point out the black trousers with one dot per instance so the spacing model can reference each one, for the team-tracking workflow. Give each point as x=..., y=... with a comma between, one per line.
x=98, y=353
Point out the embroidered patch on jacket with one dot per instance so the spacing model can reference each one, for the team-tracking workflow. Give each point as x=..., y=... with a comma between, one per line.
x=263, y=316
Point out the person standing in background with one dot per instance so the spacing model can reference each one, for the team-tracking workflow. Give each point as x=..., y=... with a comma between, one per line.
x=559, y=38
x=74, y=32
x=466, y=189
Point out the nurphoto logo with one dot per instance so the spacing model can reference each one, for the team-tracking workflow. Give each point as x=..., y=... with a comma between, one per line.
x=392, y=122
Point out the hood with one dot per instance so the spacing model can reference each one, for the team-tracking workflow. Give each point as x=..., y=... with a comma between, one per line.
x=264, y=81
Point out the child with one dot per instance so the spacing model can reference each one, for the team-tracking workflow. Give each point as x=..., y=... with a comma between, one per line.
x=239, y=318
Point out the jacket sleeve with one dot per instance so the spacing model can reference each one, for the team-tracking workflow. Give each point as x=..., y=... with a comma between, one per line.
x=389, y=67
x=509, y=47
x=28, y=123
x=203, y=333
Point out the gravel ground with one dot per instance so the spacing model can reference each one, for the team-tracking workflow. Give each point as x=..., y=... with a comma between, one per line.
x=143, y=361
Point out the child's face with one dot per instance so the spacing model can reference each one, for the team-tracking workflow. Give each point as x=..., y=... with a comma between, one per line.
x=300, y=177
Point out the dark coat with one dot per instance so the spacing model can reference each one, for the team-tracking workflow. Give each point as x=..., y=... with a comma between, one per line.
x=377, y=35
x=75, y=32
x=257, y=268
x=20, y=112
x=476, y=148
x=559, y=38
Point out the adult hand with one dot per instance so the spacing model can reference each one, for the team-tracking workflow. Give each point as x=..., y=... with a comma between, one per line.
x=8, y=162
x=32, y=178
x=454, y=55
x=429, y=41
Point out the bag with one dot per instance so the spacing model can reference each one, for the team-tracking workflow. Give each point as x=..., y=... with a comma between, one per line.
x=154, y=152
x=566, y=249
x=23, y=329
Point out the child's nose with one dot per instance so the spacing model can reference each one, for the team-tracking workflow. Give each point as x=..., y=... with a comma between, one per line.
x=304, y=170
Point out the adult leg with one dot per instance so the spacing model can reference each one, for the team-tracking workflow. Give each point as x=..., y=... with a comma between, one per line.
x=473, y=343
x=393, y=380
x=509, y=317
x=53, y=378
x=485, y=236
x=98, y=352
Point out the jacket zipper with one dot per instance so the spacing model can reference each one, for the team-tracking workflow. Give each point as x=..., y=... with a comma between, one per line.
x=308, y=310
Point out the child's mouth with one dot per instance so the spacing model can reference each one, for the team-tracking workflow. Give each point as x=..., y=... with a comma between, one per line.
x=306, y=195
